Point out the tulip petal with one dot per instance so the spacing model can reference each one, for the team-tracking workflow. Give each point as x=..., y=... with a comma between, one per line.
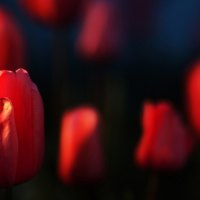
x=7, y=83
x=8, y=144
x=101, y=33
x=165, y=143
x=24, y=123
x=143, y=152
x=28, y=109
x=38, y=126
x=81, y=157
x=193, y=96
x=162, y=148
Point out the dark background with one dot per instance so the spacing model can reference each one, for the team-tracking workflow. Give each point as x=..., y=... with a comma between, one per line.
x=151, y=66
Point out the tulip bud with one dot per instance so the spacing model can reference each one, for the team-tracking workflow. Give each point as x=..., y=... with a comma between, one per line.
x=11, y=43
x=100, y=35
x=52, y=12
x=21, y=128
x=80, y=156
x=165, y=143
x=193, y=96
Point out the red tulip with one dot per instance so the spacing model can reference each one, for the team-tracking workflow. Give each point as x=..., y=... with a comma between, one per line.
x=165, y=143
x=11, y=43
x=21, y=128
x=193, y=96
x=80, y=157
x=100, y=36
x=52, y=12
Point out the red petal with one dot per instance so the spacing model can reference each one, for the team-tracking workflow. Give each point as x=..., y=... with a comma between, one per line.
x=81, y=156
x=143, y=152
x=193, y=97
x=24, y=123
x=8, y=144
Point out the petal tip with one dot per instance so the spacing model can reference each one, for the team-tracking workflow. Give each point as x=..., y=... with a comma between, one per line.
x=5, y=72
x=21, y=70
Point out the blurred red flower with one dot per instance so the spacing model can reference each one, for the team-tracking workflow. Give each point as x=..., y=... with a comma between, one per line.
x=53, y=12
x=193, y=96
x=80, y=157
x=165, y=143
x=21, y=128
x=12, y=55
x=101, y=33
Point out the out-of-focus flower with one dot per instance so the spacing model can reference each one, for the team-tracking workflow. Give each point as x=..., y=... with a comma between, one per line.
x=55, y=13
x=12, y=55
x=101, y=33
x=193, y=96
x=165, y=143
x=80, y=157
x=21, y=128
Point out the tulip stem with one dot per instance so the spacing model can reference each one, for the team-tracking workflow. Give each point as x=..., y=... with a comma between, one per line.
x=152, y=187
x=8, y=194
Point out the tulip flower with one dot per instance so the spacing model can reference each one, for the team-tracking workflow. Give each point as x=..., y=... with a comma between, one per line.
x=100, y=35
x=193, y=96
x=12, y=44
x=80, y=156
x=21, y=128
x=165, y=143
x=52, y=12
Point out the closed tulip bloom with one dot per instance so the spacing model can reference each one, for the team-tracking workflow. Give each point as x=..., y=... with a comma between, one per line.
x=52, y=12
x=100, y=35
x=80, y=157
x=12, y=54
x=21, y=128
x=193, y=96
x=165, y=143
